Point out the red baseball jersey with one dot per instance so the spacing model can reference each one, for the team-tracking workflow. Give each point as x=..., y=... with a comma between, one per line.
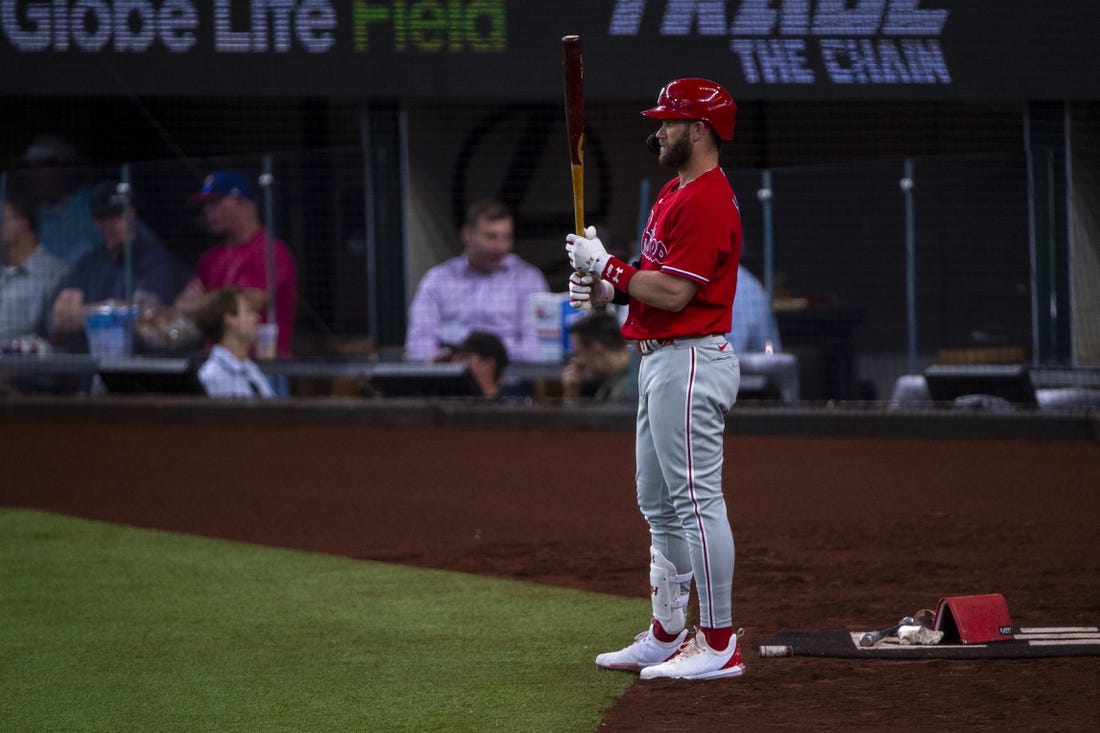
x=693, y=232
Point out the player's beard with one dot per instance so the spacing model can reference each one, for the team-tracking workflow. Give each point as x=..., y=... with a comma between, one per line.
x=676, y=154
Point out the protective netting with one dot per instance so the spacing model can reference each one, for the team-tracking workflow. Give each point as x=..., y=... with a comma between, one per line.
x=879, y=265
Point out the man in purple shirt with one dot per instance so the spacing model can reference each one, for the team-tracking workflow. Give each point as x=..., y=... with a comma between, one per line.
x=486, y=288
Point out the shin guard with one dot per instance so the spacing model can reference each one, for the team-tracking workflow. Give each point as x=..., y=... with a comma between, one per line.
x=669, y=592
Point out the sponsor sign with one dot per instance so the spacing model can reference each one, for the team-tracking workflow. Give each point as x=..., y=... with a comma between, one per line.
x=508, y=49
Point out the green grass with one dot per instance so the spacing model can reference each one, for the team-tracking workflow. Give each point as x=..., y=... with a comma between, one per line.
x=110, y=628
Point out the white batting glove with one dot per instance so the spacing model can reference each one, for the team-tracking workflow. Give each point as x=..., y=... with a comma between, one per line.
x=588, y=291
x=587, y=253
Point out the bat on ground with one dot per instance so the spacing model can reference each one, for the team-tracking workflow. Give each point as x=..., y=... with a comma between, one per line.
x=573, y=70
x=873, y=637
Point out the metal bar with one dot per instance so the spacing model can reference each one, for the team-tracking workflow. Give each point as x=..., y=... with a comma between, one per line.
x=1033, y=243
x=907, y=184
x=370, y=242
x=124, y=190
x=1071, y=283
x=1052, y=259
x=765, y=195
x=266, y=182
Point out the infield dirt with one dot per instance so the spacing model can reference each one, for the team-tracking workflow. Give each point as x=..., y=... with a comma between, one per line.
x=831, y=532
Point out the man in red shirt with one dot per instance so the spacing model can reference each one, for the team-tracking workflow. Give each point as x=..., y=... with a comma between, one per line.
x=680, y=300
x=229, y=206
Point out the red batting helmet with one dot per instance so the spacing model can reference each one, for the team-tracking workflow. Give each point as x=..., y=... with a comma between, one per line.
x=696, y=99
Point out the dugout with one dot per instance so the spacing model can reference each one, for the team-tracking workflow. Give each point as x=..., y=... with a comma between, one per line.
x=379, y=126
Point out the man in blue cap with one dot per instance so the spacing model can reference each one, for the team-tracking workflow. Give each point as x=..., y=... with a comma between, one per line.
x=228, y=201
x=100, y=276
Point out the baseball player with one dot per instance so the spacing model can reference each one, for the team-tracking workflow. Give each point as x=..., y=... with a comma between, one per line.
x=680, y=299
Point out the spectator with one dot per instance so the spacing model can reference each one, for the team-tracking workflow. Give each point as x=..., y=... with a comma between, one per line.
x=486, y=288
x=99, y=278
x=228, y=320
x=31, y=274
x=229, y=207
x=64, y=211
x=755, y=329
x=485, y=356
x=602, y=366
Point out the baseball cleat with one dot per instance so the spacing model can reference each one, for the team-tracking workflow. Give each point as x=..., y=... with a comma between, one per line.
x=697, y=661
x=644, y=652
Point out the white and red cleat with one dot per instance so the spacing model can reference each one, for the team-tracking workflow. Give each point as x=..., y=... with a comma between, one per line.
x=646, y=651
x=697, y=661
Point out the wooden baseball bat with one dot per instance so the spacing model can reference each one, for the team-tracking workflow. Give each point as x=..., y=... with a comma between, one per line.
x=573, y=70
